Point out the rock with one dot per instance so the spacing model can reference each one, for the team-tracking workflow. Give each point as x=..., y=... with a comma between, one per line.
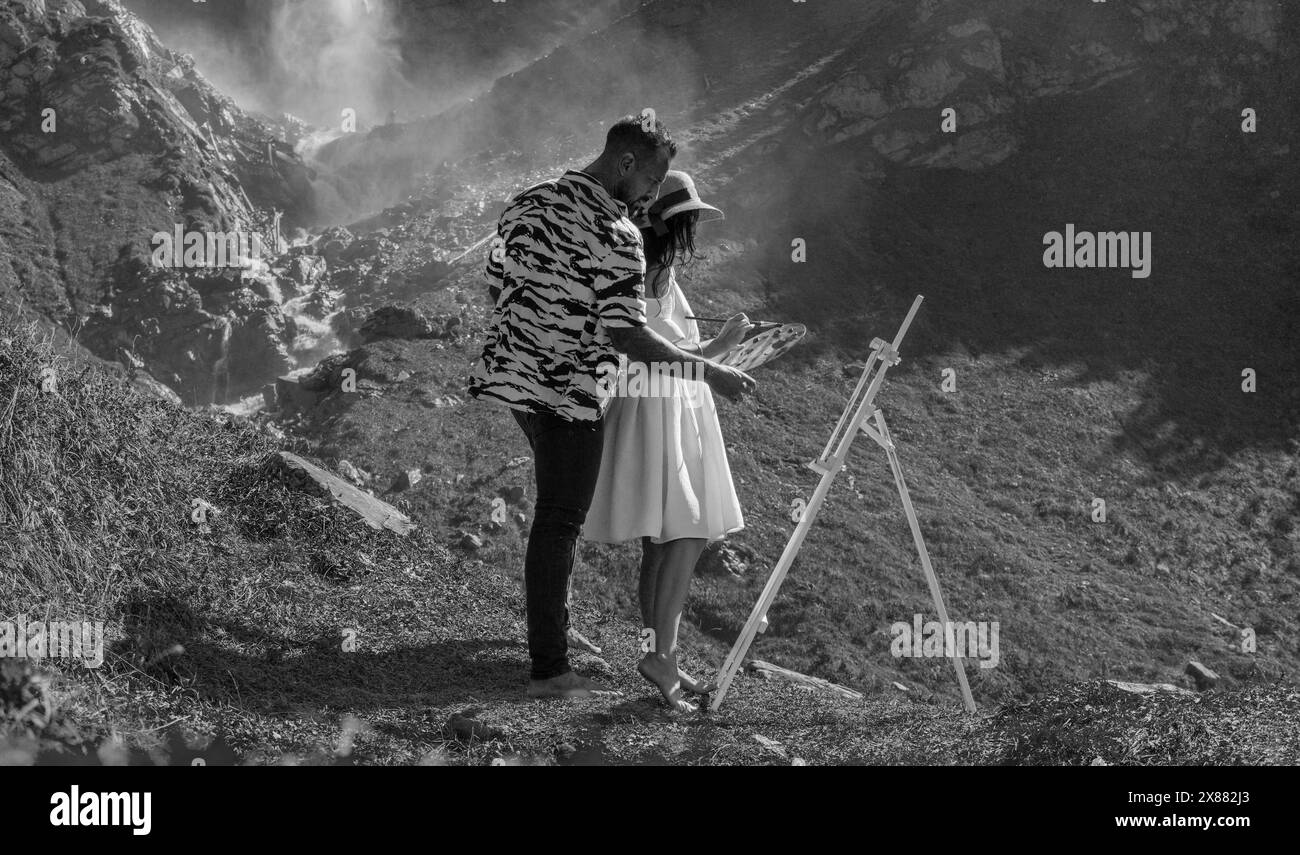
x=471, y=542
x=372, y=246
x=302, y=275
x=770, y=744
x=1201, y=675
x=147, y=384
x=295, y=473
x=520, y=518
x=397, y=322
x=406, y=480
x=514, y=494
x=137, y=121
x=1148, y=688
x=291, y=397
x=565, y=751
x=257, y=349
x=724, y=561
x=332, y=242
x=463, y=727
x=327, y=376
x=517, y=461
x=768, y=671
x=1097, y=761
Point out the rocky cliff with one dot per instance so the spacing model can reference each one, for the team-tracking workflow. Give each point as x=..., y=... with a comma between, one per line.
x=108, y=138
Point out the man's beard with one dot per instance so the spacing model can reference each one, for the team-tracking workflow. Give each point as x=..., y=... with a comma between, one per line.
x=621, y=193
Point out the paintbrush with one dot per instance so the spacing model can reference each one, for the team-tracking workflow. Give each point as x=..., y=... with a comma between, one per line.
x=758, y=325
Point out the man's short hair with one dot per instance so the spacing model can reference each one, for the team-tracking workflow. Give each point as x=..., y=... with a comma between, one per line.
x=629, y=134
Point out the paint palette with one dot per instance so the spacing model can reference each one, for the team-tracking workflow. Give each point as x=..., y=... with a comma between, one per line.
x=763, y=347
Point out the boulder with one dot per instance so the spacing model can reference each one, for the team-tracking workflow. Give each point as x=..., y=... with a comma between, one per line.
x=398, y=322
x=302, y=274
x=724, y=561
x=406, y=480
x=1201, y=675
x=299, y=474
x=332, y=242
x=144, y=382
x=291, y=397
x=464, y=727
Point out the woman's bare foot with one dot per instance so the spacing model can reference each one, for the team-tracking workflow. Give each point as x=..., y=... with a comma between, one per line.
x=695, y=686
x=661, y=670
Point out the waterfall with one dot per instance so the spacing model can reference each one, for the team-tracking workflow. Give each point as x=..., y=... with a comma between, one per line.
x=221, y=368
x=315, y=339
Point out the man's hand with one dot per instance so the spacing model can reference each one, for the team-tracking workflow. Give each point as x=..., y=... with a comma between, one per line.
x=728, y=381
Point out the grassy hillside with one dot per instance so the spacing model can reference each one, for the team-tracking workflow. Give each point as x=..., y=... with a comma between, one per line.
x=225, y=638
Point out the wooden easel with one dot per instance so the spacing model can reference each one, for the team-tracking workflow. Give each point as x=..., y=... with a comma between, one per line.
x=853, y=420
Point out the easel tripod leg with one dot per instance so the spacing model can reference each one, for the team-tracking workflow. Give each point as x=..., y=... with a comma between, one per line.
x=931, y=579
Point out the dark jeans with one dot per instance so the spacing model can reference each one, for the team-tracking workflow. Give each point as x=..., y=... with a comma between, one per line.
x=566, y=461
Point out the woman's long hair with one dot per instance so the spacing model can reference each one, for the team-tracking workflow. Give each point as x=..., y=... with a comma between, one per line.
x=664, y=252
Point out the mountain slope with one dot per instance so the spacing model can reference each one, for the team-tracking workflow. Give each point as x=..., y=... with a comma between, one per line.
x=281, y=629
x=1071, y=385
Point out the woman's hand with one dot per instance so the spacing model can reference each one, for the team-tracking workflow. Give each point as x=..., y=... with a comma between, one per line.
x=732, y=334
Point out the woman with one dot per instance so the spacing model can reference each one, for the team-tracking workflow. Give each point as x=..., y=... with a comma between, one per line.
x=664, y=476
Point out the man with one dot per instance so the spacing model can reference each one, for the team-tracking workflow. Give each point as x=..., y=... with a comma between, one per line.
x=567, y=271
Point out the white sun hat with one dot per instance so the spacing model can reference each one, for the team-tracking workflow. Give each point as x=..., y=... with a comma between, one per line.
x=676, y=195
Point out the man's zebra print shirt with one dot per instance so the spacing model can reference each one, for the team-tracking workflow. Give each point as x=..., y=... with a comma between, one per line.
x=567, y=266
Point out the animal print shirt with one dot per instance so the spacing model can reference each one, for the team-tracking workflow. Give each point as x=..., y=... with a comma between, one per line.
x=567, y=266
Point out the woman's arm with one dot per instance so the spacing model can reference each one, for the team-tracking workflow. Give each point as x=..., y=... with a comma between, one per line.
x=712, y=349
x=708, y=349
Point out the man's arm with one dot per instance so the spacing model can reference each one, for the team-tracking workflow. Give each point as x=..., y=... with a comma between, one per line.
x=643, y=344
x=494, y=273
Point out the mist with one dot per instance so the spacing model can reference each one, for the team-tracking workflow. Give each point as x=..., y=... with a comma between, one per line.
x=313, y=58
x=310, y=58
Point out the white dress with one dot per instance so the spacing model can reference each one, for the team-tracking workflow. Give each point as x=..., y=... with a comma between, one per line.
x=664, y=471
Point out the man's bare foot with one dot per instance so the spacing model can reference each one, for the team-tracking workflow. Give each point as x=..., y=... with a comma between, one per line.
x=570, y=686
x=695, y=686
x=661, y=670
x=578, y=641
